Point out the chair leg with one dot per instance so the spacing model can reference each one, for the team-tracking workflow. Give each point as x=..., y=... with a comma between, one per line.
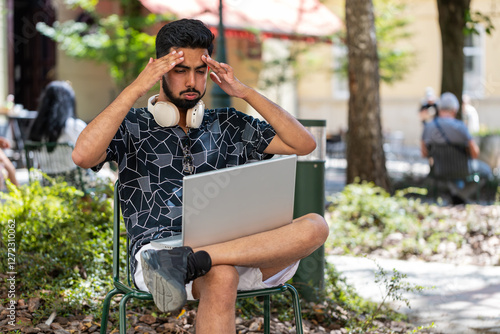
x=267, y=314
x=296, y=309
x=123, y=313
x=105, y=309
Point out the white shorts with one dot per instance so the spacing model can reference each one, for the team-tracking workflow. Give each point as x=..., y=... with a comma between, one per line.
x=250, y=278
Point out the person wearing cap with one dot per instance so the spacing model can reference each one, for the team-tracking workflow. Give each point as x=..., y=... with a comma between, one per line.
x=447, y=129
x=428, y=107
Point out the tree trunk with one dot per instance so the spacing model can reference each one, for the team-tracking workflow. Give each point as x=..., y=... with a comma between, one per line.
x=452, y=24
x=364, y=151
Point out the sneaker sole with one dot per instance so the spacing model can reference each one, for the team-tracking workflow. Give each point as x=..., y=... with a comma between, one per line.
x=168, y=295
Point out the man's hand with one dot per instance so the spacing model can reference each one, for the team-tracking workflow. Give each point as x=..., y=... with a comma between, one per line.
x=4, y=143
x=291, y=137
x=223, y=75
x=154, y=70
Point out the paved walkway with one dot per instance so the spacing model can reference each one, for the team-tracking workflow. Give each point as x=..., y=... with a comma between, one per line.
x=465, y=299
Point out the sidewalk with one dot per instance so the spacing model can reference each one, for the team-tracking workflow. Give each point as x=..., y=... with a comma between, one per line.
x=335, y=169
x=466, y=299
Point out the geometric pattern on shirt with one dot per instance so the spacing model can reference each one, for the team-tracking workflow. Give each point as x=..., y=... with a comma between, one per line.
x=151, y=170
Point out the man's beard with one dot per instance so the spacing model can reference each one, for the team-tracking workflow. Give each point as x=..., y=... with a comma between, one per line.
x=180, y=102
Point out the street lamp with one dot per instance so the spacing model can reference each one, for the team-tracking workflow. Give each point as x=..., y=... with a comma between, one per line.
x=219, y=98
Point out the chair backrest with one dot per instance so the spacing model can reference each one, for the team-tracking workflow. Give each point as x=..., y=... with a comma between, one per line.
x=116, y=242
x=449, y=161
x=53, y=159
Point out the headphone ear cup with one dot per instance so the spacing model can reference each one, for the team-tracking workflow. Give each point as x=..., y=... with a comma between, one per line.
x=194, y=116
x=165, y=113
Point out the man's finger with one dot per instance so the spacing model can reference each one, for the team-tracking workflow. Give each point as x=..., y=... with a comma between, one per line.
x=215, y=78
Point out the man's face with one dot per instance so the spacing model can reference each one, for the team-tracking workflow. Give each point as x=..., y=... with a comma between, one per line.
x=186, y=83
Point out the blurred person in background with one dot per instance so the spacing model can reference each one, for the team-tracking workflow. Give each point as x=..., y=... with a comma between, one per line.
x=7, y=169
x=469, y=115
x=56, y=120
x=447, y=129
x=428, y=106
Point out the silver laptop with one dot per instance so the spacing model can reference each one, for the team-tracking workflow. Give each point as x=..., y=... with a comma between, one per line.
x=233, y=202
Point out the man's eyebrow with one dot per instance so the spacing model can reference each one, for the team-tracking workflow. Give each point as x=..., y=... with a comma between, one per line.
x=188, y=67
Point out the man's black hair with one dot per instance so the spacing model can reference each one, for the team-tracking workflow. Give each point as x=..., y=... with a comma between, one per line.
x=184, y=33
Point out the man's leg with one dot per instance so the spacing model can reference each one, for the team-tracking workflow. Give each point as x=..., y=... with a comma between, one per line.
x=271, y=251
x=274, y=250
x=217, y=294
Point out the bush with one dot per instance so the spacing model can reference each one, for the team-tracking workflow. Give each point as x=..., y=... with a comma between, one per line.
x=363, y=216
x=365, y=219
x=62, y=242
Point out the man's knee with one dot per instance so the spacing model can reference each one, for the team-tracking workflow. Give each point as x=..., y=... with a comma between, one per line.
x=219, y=282
x=316, y=227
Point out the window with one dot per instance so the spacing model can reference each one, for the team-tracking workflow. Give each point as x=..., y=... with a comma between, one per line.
x=474, y=63
x=340, y=84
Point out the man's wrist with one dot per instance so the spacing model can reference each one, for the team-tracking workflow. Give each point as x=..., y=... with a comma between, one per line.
x=246, y=93
x=131, y=94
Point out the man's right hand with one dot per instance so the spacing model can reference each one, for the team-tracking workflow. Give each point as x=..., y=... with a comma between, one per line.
x=154, y=70
x=90, y=148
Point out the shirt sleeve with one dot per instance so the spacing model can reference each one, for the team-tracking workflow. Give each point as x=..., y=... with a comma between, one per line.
x=256, y=135
x=463, y=128
x=118, y=145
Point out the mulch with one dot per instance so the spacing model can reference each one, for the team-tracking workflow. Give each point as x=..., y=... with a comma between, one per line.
x=149, y=322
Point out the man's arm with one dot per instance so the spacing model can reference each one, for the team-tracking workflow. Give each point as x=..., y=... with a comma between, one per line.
x=291, y=137
x=423, y=149
x=90, y=148
x=473, y=149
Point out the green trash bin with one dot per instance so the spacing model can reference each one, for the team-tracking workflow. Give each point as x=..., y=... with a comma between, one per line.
x=310, y=198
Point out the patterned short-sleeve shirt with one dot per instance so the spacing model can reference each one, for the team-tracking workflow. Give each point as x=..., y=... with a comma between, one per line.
x=150, y=159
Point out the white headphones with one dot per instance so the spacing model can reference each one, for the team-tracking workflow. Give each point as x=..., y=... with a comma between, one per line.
x=166, y=113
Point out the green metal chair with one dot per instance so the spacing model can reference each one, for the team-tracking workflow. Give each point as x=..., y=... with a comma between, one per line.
x=450, y=163
x=128, y=291
x=53, y=159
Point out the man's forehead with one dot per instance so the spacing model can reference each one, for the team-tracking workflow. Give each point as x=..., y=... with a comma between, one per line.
x=192, y=57
x=198, y=50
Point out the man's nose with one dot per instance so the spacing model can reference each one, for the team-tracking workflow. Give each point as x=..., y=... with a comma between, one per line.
x=190, y=80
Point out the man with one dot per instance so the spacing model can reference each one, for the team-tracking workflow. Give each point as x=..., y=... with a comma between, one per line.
x=446, y=129
x=153, y=159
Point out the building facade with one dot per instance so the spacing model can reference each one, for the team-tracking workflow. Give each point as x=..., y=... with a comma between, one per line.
x=318, y=92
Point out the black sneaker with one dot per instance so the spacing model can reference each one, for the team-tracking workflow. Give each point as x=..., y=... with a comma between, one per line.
x=166, y=272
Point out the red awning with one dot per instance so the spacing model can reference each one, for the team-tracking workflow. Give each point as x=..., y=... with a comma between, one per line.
x=271, y=17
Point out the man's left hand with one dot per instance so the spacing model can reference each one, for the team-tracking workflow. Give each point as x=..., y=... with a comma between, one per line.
x=223, y=75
